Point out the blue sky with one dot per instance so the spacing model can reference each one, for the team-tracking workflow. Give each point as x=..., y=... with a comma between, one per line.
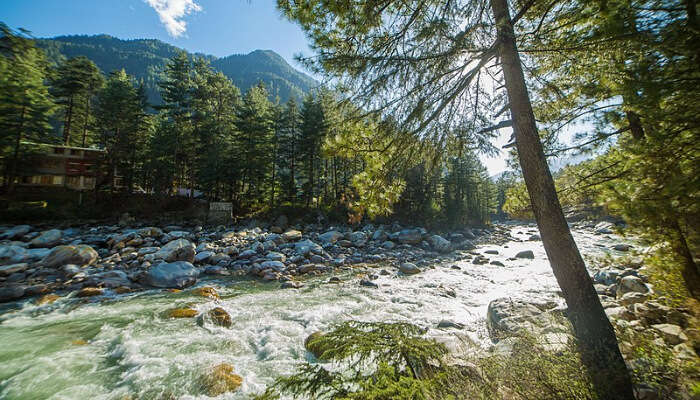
x=217, y=27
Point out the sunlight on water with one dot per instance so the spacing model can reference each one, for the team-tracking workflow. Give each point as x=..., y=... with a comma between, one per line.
x=125, y=348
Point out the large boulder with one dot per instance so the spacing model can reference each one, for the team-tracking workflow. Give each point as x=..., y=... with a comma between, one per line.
x=48, y=238
x=410, y=236
x=16, y=232
x=179, y=274
x=330, y=237
x=177, y=250
x=380, y=235
x=79, y=255
x=314, y=345
x=220, y=317
x=606, y=276
x=110, y=279
x=440, y=244
x=506, y=317
x=358, y=239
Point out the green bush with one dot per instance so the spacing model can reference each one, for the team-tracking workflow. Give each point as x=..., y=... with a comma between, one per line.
x=393, y=361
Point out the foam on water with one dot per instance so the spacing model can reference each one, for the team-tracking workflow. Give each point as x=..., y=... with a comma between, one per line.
x=131, y=349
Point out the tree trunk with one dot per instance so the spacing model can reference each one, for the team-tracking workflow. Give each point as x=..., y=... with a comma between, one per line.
x=69, y=119
x=274, y=169
x=596, y=337
x=87, y=118
x=635, y=125
x=690, y=271
x=15, y=156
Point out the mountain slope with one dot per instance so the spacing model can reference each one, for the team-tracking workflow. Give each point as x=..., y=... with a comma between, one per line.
x=146, y=58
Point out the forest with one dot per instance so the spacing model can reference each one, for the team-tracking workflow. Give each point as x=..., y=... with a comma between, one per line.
x=447, y=283
x=207, y=137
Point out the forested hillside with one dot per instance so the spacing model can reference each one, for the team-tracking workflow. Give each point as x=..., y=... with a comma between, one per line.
x=145, y=59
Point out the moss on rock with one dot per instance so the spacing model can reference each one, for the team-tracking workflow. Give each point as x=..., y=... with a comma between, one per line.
x=206, y=291
x=221, y=317
x=221, y=379
x=312, y=345
x=182, y=313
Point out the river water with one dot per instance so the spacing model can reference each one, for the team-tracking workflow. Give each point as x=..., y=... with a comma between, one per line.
x=126, y=348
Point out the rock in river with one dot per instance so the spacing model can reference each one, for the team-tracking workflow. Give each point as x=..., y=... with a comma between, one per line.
x=79, y=255
x=220, y=317
x=505, y=317
x=525, y=254
x=11, y=292
x=177, y=274
x=220, y=380
x=409, y=268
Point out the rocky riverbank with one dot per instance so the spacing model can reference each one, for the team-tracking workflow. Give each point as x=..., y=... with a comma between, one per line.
x=96, y=260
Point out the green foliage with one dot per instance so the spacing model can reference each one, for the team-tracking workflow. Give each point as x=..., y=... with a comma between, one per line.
x=363, y=360
x=122, y=125
x=255, y=133
x=380, y=361
x=517, y=204
x=663, y=267
x=627, y=71
x=73, y=84
x=654, y=365
x=530, y=372
x=25, y=103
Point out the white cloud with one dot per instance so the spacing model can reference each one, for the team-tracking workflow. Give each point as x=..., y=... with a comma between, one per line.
x=172, y=13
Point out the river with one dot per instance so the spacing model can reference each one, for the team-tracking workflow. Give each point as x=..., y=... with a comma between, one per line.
x=126, y=348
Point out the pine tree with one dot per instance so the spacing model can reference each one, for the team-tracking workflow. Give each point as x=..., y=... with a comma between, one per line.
x=25, y=103
x=289, y=149
x=312, y=132
x=176, y=91
x=121, y=122
x=255, y=133
x=74, y=82
x=215, y=103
